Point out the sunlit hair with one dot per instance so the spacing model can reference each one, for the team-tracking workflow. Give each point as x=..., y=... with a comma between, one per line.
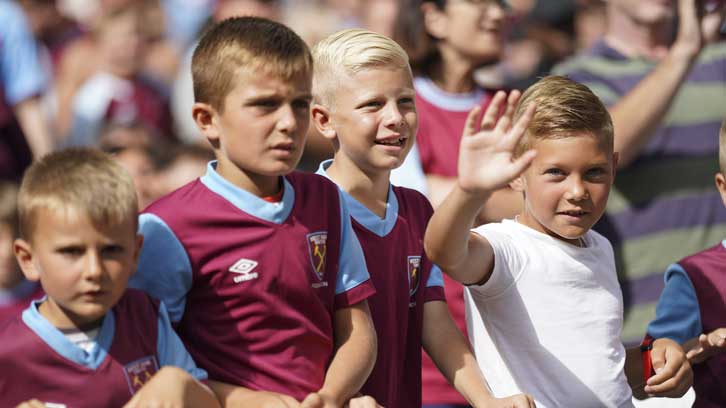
x=564, y=108
x=77, y=179
x=245, y=43
x=722, y=147
x=9, y=206
x=348, y=52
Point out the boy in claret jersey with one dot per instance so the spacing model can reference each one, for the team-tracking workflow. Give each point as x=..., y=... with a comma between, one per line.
x=260, y=267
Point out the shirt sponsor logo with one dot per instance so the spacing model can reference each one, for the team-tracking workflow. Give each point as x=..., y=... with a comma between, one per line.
x=317, y=248
x=243, y=268
x=139, y=372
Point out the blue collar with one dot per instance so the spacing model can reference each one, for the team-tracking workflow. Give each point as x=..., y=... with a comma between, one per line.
x=61, y=345
x=361, y=214
x=247, y=202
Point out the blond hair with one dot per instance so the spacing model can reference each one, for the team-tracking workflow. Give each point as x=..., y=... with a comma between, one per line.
x=722, y=147
x=9, y=205
x=349, y=52
x=250, y=43
x=79, y=178
x=564, y=108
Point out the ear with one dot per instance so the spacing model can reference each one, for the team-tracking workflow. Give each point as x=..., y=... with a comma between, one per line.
x=517, y=184
x=721, y=186
x=24, y=254
x=205, y=116
x=616, y=158
x=323, y=124
x=435, y=21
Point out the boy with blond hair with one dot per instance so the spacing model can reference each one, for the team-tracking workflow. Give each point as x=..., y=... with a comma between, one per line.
x=77, y=217
x=364, y=104
x=692, y=308
x=544, y=306
x=264, y=276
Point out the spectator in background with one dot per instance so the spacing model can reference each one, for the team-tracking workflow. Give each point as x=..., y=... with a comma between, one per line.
x=118, y=91
x=23, y=125
x=666, y=91
x=185, y=164
x=446, y=42
x=15, y=292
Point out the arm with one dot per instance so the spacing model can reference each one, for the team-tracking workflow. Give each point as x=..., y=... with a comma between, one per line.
x=486, y=164
x=641, y=111
x=172, y=386
x=234, y=396
x=448, y=348
x=673, y=374
x=35, y=127
x=356, y=349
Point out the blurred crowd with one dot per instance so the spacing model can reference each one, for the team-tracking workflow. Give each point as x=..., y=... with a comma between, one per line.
x=115, y=73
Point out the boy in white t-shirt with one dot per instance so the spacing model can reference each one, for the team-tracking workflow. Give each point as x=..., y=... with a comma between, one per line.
x=544, y=308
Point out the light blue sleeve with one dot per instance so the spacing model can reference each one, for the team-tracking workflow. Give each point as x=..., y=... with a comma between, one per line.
x=435, y=277
x=164, y=270
x=21, y=71
x=677, y=315
x=352, y=270
x=170, y=348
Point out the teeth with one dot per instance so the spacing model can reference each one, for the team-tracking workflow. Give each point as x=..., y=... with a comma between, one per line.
x=396, y=142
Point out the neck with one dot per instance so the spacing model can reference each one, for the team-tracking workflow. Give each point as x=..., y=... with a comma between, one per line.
x=635, y=39
x=370, y=188
x=257, y=184
x=454, y=74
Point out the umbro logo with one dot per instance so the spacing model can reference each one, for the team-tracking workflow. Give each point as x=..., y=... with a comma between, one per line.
x=244, y=268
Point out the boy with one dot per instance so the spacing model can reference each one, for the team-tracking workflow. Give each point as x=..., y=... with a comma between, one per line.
x=15, y=291
x=692, y=309
x=364, y=103
x=544, y=305
x=264, y=276
x=77, y=217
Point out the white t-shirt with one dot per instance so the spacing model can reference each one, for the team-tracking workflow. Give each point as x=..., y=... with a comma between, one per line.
x=548, y=321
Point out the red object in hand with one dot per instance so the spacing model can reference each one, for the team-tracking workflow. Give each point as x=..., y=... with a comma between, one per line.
x=645, y=347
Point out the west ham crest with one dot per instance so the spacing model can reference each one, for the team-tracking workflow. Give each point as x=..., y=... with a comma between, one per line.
x=414, y=274
x=139, y=372
x=317, y=248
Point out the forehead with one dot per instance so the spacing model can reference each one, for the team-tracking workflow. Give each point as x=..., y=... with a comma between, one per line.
x=572, y=149
x=250, y=82
x=377, y=79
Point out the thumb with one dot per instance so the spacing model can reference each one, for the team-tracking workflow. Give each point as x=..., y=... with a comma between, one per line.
x=658, y=359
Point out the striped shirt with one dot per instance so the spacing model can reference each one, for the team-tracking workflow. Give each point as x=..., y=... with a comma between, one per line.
x=663, y=205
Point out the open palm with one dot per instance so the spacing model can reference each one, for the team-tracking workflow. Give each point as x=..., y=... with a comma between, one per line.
x=486, y=154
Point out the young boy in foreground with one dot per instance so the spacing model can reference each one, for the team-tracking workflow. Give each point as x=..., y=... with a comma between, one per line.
x=692, y=309
x=364, y=103
x=264, y=276
x=544, y=306
x=90, y=342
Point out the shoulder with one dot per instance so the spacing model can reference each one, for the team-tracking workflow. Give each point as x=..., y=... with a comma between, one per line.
x=413, y=198
x=310, y=180
x=137, y=303
x=171, y=201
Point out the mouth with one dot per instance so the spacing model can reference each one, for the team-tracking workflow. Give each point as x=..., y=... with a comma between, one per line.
x=574, y=213
x=397, y=142
x=289, y=146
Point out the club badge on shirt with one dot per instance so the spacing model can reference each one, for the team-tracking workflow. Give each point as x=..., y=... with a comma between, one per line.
x=139, y=372
x=317, y=248
x=414, y=274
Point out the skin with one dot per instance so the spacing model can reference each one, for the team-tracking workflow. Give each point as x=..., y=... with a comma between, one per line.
x=486, y=163
x=372, y=124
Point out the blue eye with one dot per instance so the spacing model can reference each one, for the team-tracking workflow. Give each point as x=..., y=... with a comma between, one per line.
x=554, y=172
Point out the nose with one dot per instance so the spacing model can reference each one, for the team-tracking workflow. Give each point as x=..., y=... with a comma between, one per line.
x=94, y=266
x=394, y=117
x=287, y=122
x=577, y=190
x=496, y=11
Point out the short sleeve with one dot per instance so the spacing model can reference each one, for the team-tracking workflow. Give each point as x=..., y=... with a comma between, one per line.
x=435, y=285
x=354, y=283
x=677, y=315
x=21, y=72
x=508, y=262
x=163, y=270
x=170, y=348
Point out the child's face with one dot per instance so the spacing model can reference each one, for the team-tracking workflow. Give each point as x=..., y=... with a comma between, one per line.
x=566, y=188
x=82, y=267
x=374, y=118
x=263, y=127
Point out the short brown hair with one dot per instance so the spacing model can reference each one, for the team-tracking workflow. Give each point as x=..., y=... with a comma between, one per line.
x=9, y=206
x=245, y=42
x=79, y=178
x=564, y=107
x=722, y=147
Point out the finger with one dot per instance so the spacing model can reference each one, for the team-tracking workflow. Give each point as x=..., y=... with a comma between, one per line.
x=506, y=120
x=717, y=339
x=675, y=386
x=471, y=119
x=489, y=120
x=517, y=132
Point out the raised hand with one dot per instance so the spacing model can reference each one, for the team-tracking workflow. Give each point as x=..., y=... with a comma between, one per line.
x=708, y=345
x=486, y=155
x=698, y=23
